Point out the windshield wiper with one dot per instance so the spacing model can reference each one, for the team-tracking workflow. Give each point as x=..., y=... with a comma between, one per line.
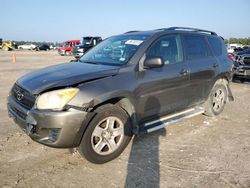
x=99, y=63
x=89, y=62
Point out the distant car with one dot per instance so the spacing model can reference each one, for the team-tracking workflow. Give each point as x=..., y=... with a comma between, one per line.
x=67, y=47
x=236, y=50
x=239, y=54
x=242, y=65
x=87, y=43
x=44, y=47
x=52, y=47
x=27, y=46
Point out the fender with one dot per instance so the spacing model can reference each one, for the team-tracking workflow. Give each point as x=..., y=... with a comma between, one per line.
x=119, y=97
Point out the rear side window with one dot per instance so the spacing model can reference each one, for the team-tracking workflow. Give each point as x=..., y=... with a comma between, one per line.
x=216, y=46
x=196, y=47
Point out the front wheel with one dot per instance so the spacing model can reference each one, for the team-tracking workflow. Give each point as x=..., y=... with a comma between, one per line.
x=242, y=80
x=67, y=53
x=107, y=135
x=216, y=100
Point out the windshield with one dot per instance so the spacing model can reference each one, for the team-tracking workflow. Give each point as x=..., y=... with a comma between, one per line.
x=65, y=44
x=86, y=41
x=115, y=50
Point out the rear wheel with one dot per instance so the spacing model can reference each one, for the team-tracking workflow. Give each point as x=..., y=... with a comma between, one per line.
x=216, y=100
x=107, y=135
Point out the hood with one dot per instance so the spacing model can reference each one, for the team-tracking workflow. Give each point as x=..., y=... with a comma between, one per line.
x=64, y=75
x=83, y=46
x=244, y=52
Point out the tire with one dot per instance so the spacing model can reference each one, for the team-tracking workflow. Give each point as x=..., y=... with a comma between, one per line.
x=242, y=80
x=216, y=100
x=107, y=135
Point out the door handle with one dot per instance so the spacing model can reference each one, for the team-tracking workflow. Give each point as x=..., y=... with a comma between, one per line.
x=184, y=72
x=215, y=65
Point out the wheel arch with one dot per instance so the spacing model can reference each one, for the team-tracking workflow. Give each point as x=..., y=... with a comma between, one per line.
x=223, y=76
x=125, y=102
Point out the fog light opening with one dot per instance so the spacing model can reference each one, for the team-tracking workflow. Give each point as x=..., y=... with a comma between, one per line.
x=53, y=134
x=30, y=129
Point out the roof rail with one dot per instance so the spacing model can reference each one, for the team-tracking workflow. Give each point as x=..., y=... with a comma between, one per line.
x=131, y=32
x=189, y=29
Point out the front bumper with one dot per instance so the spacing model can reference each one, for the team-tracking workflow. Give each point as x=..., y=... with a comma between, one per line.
x=242, y=71
x=61, y=52
x=55, y=129
x=77, y=54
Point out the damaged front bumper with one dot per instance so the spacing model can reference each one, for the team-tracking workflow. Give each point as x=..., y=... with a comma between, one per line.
x=56, y=129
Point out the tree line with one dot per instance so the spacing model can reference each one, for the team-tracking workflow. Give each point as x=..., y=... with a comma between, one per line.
x=243, y=41
x=37, y=43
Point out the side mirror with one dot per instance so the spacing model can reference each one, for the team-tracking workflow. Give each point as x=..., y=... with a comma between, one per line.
x=153, y=62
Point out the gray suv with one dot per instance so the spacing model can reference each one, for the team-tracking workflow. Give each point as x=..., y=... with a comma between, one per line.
x=128, y=84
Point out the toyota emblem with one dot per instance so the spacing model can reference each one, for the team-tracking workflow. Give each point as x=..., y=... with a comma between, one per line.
x=19, y=95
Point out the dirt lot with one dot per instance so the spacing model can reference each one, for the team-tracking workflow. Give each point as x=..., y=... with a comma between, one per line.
x=199, y=152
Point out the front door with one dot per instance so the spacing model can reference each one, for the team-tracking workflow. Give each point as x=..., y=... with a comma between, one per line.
x=163, y=90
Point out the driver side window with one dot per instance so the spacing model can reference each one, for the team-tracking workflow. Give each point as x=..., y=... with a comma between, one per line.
x=168, y=48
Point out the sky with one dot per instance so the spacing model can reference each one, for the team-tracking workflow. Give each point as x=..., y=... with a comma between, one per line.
x=59, y=20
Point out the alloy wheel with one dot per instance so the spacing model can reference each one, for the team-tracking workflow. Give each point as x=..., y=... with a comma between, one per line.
x=107, y=135
x=218, y=100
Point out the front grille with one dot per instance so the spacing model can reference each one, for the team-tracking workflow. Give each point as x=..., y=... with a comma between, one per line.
x=19, y=113
x=75, y=49
x=23, y=97
x=246, y=60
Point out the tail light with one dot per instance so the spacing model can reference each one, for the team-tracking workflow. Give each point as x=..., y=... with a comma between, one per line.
x=231, y=57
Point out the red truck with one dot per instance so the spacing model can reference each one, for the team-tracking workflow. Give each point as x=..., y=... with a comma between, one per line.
x=67, y=47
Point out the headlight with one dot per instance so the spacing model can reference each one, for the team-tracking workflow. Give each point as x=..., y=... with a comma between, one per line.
x=55, y=99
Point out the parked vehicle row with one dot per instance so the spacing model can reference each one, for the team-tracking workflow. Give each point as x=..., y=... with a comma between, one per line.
x=69, y=47
x=41, y=47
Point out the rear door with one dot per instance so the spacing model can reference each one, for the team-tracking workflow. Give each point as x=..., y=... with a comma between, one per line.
x=163, y=90
x=202, y=64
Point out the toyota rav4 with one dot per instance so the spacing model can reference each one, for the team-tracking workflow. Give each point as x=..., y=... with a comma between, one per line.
x=129, y=84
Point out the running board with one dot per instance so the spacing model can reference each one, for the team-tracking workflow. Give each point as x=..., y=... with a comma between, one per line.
x=170, y=119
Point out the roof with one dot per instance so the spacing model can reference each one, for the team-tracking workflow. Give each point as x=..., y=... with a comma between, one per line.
x=173, y=29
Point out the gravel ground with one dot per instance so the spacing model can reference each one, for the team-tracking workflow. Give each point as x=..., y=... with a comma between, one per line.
x=199, y=152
